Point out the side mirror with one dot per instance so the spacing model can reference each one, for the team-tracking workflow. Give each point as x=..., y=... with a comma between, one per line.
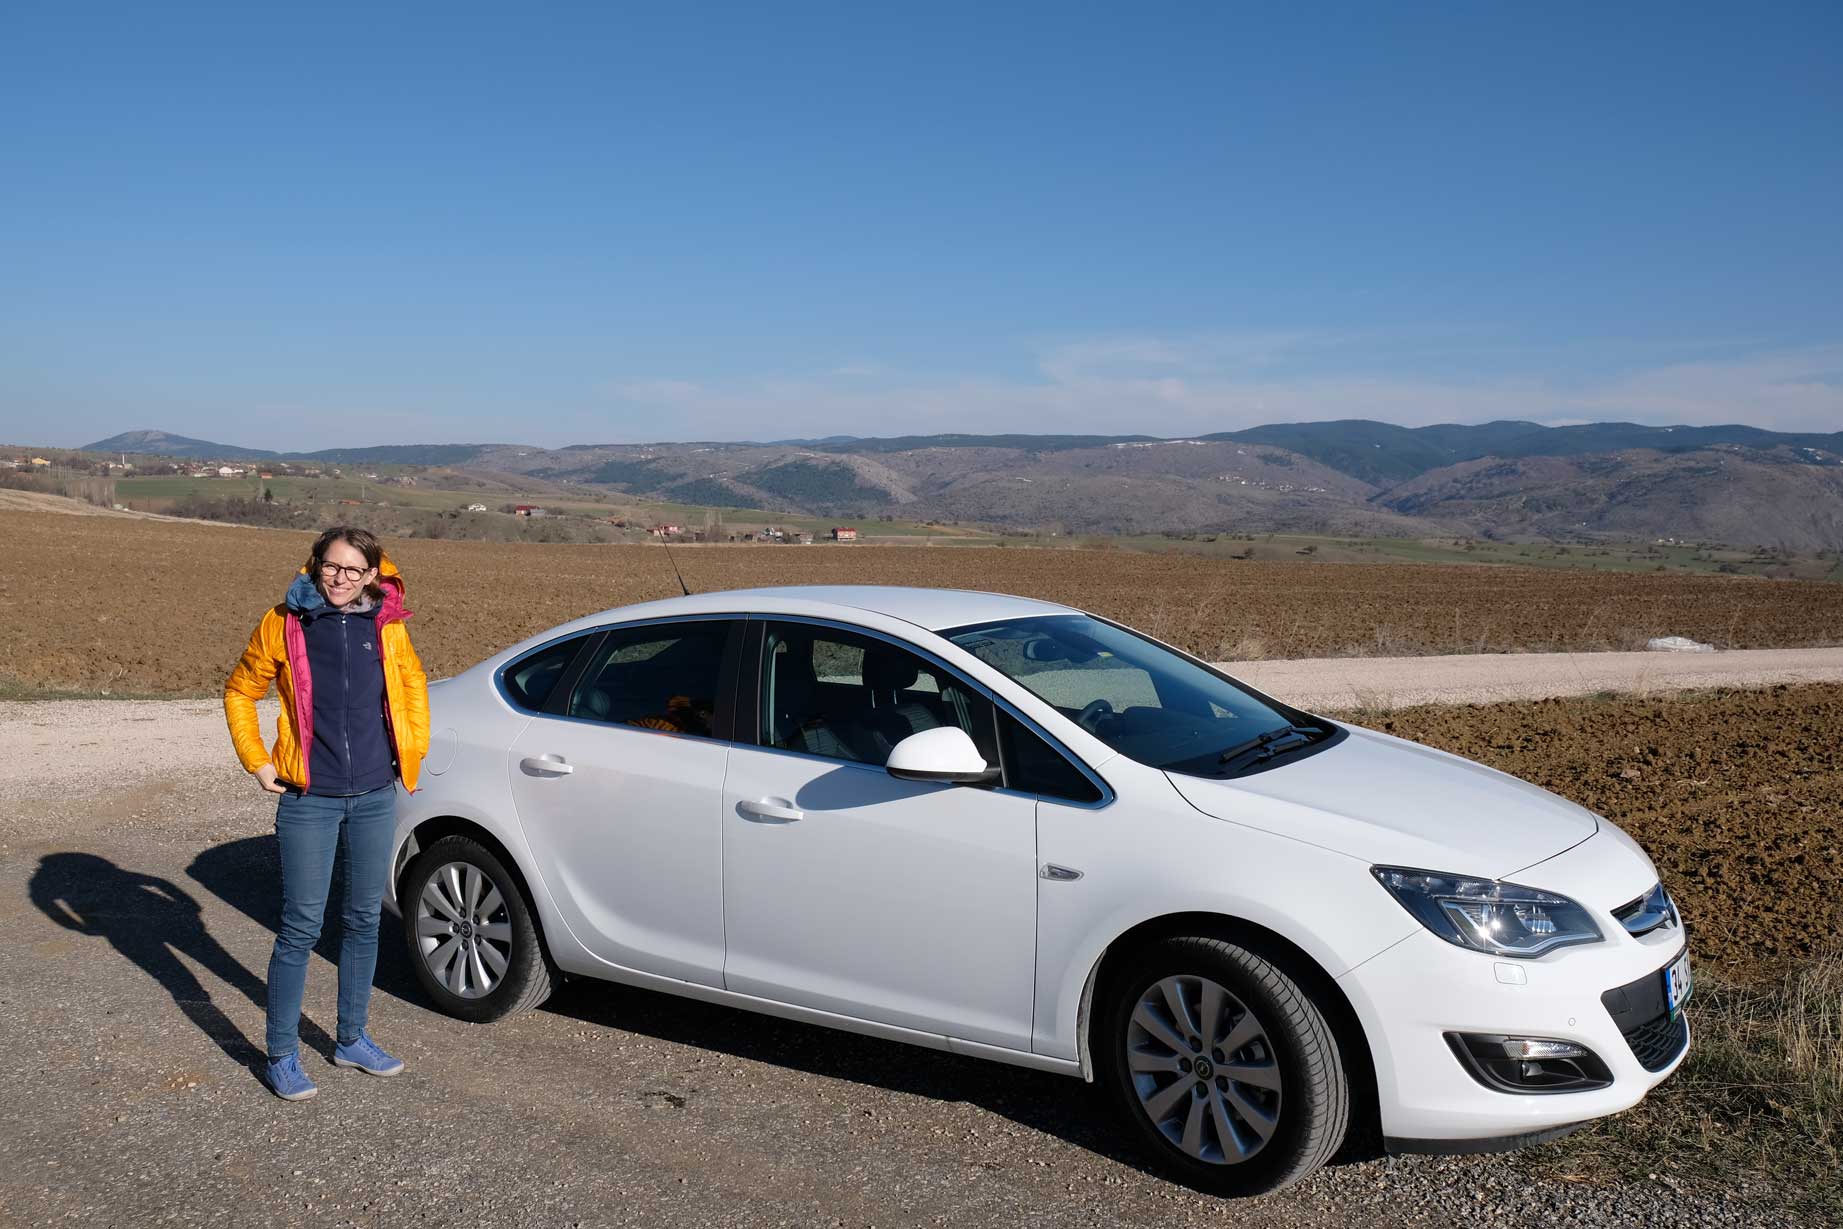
x=944, y=755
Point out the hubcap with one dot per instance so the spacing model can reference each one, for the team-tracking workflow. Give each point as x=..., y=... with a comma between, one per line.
x=464, y=930
x=1221, y=1105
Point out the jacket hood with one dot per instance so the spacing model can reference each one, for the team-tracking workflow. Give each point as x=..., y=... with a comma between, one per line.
x=1390, y=801
x=304, y=599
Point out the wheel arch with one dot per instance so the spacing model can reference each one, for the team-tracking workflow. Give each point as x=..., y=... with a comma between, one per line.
x=1365, y=1133
x=437, y=827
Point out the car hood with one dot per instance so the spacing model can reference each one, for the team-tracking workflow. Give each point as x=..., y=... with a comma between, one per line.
x=1389, y=801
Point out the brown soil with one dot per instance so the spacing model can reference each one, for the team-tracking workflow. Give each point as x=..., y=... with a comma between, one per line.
x=1736, y=795
x=163, y=608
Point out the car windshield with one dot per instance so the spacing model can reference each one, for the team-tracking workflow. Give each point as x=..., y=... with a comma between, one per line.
x=1139, y=697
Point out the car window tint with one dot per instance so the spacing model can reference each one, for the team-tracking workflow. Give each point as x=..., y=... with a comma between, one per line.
x=1042, y=665
x=1035, y=767
x=529, y=680
x=1133, y=694
x=659, y=677
x=850, y=697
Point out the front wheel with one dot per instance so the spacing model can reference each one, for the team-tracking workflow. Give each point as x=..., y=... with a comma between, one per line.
x=1224, y=1067
x=471, y=937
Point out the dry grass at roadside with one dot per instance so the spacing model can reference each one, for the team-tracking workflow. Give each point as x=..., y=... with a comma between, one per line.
x=1759, y=1099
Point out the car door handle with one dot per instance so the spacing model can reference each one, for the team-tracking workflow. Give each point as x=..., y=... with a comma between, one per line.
x=768, y=812
x=549, y=765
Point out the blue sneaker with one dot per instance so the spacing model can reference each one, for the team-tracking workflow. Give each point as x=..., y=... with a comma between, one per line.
x=286, y=1079
x=366, y=1056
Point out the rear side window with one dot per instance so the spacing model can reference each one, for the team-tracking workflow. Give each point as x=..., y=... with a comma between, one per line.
x=1034, y=767
x=530, y=680
x=661, y=676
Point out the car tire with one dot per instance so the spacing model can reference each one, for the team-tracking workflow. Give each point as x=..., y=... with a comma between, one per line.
x=470, y=933
x=1264, y=1103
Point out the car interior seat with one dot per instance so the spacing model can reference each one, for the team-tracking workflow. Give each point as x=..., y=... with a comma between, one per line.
x=891, y=715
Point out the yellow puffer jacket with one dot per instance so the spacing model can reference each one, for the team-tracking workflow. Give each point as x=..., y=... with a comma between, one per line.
x=278, y=651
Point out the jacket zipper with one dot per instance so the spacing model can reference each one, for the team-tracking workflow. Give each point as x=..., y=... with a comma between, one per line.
x=345, y=660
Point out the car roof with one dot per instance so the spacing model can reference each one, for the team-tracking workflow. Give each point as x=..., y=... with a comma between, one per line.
x=933, y=609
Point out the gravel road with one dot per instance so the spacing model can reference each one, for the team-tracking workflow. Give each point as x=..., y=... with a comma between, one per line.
x=1396, y=682
x=138, y=896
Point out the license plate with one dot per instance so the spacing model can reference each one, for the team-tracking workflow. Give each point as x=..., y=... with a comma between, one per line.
x=1677, y=983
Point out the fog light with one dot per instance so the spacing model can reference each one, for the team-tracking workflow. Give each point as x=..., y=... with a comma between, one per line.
x=1529, y=1064
x=1539, y=1048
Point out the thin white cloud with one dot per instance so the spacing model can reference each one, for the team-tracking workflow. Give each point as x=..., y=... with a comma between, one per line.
x=1194, y=385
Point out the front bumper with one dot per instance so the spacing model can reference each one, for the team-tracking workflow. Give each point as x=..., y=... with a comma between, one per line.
x=1410, y=996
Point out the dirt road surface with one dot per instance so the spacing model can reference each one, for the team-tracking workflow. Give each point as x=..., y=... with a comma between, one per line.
x=1322, y=684
x=138, y=901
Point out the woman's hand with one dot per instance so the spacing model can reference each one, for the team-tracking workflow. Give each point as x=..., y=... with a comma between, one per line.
x=266, y=775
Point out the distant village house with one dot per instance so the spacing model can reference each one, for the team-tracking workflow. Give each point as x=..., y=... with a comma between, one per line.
x=844, y=534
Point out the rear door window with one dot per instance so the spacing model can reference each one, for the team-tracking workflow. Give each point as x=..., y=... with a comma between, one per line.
x=660, y=676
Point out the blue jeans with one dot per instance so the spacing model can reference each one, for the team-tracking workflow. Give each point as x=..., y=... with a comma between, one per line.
x=310, y=830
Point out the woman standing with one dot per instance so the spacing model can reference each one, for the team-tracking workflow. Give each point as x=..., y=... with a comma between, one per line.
x=354, y=722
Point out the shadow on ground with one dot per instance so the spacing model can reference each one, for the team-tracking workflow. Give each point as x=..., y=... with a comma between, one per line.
x=152, y=922
x=247, y=875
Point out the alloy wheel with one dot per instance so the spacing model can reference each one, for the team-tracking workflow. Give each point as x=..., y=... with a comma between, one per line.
x=1204, y=1069
x=464, y=930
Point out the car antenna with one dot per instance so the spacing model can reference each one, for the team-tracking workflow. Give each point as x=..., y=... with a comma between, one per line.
x=674, y=563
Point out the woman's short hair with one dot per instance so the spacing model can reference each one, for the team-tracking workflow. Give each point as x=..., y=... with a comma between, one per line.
x=361, y=540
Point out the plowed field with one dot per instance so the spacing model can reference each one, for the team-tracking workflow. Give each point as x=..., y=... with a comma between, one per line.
x=1734, y=794
x=162, y=608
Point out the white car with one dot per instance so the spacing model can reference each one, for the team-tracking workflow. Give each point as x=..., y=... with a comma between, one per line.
x=1010, y=829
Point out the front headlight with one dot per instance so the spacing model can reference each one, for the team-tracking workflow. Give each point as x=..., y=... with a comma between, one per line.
x=1499, y=919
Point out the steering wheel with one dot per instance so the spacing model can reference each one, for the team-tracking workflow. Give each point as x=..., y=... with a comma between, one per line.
x=1090, y=716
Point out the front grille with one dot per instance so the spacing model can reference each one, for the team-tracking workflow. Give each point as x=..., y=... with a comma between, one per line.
x=1656, y=1043
x=1641, y=1011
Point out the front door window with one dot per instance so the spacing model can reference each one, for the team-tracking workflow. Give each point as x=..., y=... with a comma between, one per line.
x=847, y=696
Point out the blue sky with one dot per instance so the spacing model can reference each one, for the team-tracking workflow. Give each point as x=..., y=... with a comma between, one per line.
x=339, y=225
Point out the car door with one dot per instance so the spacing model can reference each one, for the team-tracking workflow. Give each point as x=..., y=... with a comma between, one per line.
x=619, y=787
x=848, y=890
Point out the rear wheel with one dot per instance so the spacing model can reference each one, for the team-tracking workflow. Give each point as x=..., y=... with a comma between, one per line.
x=471, y=937
x=1224, y=1067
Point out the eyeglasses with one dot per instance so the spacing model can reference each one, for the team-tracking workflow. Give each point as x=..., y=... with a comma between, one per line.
x=332, y=571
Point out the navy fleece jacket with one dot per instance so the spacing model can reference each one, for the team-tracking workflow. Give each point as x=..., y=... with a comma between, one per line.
x=351, y=753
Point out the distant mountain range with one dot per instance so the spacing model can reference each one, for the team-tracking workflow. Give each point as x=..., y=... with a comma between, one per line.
x=163, y=444
x=1734, y=484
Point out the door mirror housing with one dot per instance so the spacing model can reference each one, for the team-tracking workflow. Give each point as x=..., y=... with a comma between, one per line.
x=944, y=755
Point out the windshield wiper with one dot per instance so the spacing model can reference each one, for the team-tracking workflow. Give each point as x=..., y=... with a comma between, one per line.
x=1271, y=743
